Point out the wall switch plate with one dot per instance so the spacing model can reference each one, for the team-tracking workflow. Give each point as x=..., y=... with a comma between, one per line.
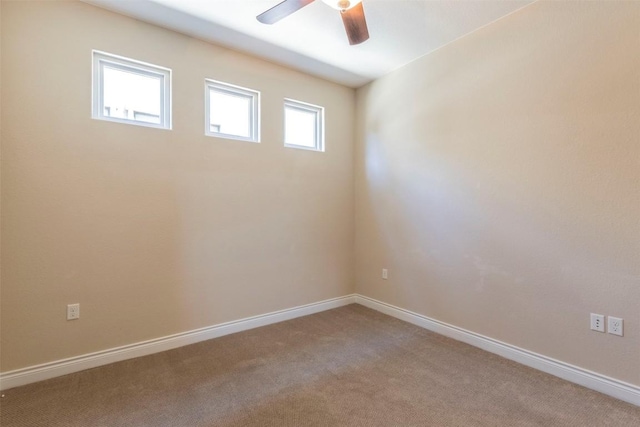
x=615, y=325
x=597, y=322
x=385, y=273
x=73, y=311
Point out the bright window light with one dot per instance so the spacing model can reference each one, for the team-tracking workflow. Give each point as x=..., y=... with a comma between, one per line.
x=303, y=125
x=130, y=91
x=232, y=111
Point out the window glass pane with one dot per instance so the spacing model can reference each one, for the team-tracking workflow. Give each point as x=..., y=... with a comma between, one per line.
x=132, y=96
x=300, y=127
x=229, y=113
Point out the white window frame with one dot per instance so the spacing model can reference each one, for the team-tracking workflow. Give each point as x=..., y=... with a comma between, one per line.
x=307, y=108
x=239, y=91
x=100, y=59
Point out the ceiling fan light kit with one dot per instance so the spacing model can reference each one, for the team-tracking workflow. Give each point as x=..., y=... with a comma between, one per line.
x=352, y=13
x=341, y=4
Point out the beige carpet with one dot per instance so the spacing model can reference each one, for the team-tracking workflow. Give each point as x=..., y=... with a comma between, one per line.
x=346, y=367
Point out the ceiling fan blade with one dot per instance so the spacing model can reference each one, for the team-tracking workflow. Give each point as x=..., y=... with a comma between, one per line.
x=282, y=10
x=355, y=24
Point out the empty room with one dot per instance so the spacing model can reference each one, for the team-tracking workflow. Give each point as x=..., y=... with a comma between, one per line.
x=319, y=213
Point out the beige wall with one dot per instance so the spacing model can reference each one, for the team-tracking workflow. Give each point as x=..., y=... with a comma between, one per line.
x=498, y=179
x=156, y=232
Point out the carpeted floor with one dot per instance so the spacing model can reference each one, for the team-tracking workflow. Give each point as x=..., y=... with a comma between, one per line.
x=350, y=366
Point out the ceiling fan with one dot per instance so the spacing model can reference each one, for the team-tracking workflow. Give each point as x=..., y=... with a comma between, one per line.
x=352, y=14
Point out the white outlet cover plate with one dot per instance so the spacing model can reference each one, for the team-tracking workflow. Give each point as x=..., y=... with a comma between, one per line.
x=615, y=325
x=73, y=311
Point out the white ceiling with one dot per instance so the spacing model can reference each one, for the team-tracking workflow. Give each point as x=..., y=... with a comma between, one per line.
x=313, y=39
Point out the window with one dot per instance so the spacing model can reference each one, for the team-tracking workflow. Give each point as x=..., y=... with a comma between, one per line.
x=303, y=125
x=231, y=111
x=129, y=91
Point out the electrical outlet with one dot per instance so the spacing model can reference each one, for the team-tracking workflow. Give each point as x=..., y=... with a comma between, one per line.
x=597, y=322
x=73, y=311
x=385, y=273
x=615, y=325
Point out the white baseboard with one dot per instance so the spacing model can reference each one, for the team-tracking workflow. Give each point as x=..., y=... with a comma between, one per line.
x=609, y=386
x=74, y=364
